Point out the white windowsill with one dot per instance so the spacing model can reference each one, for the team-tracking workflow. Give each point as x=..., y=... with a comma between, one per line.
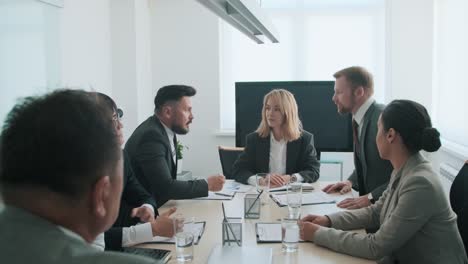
x=57, y=3
x=454, y=149
x=225, y=133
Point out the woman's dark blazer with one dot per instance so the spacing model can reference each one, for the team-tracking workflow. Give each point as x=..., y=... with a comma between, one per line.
x=301, y=157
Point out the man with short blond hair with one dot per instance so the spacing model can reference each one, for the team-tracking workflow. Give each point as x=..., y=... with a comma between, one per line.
x=354, y=88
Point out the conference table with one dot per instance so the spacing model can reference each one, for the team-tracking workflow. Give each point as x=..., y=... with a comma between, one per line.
x=211, y=212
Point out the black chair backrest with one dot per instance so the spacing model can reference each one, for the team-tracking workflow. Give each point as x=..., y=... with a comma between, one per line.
x=459, y=202
x=227, y=156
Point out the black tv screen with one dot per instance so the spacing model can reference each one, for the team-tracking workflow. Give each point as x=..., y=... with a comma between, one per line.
x=332, y=131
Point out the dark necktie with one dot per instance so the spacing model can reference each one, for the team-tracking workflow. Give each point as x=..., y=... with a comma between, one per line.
x=356, y=137
x=357, y=156
x=175, y=149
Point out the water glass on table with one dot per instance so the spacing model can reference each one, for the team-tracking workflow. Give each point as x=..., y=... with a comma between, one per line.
x=184, y=238
x=294, y=198
x=262, y=181
x=289, y=234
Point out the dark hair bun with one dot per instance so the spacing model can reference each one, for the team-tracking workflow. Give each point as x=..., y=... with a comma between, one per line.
x=430, y=140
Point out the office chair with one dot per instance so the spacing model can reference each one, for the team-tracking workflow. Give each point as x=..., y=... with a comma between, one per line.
x=227, y=156
x=459, y=202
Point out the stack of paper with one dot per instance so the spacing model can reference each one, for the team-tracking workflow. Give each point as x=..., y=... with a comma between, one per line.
x=315, y=197
x=305, y=188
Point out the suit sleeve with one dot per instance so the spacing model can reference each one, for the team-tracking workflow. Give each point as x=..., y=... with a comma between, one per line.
x=353, y=179
x=151, y=158
x=310, y=169
x=134, y=193
x=368, y=217
x=244, y=166
x=377, y=192
x=415, y=207
x=113, y=239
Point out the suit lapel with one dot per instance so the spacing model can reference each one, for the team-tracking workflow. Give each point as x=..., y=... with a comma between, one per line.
x=362, y=138
x=168, y=146
x=292, y=153
x=263, y=154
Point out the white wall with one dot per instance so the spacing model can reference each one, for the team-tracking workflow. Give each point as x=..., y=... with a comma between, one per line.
x=409, y=50
x=85, y=45
x=411, y=71
x=185, y=51
x=131, y=60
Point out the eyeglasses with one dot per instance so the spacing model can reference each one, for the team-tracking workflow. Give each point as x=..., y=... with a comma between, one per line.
x=118, y=115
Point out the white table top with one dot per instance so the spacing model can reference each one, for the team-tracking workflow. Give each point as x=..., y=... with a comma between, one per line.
x=211, y=212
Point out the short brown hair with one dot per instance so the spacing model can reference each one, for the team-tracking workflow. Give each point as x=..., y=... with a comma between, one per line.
x=357, y=76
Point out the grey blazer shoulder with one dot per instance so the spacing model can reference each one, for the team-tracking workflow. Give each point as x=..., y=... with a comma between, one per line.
x=151, y=160
x=417, y=224
x=301, y=157
x=27, y=238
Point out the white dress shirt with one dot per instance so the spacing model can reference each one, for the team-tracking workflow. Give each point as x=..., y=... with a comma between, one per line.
x=277, y=160
x=361, y=112
x=359, y=118
x=170, y=136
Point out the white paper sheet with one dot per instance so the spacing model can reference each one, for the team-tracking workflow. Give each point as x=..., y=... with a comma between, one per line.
x=196, y=228
x=305, y=187
x=315, y=197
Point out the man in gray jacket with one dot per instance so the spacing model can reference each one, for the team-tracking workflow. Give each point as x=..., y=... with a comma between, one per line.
x=353, y=94
x=61, y=180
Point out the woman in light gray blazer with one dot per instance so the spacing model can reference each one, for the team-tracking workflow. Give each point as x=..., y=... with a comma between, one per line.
x=415, y=221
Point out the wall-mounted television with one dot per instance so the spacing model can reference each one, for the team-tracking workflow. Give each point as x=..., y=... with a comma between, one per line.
x=332, y=131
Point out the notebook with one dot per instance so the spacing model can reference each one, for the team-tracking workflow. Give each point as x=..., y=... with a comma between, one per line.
x=236, y=255
x=157, y=254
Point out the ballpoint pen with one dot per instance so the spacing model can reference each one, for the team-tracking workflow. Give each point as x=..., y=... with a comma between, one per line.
x=223, y=194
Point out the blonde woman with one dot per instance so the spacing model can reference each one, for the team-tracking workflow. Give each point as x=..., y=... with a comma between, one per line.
x=279, y=146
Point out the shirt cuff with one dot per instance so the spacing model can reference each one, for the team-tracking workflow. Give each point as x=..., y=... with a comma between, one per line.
x=136, y=234
x=252, y=180
x=298, y=177
x=149, y=206
x=99, y=243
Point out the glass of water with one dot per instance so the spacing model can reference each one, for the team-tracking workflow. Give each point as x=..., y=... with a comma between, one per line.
x=262, y=181
x=184, y=238
x=289, y=234
x=294, y=197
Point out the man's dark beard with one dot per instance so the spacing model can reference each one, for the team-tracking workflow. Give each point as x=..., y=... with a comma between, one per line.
x=179, y=130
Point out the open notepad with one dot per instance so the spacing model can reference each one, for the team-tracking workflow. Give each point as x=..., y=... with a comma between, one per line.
x=315, y=197
x=196, y=228
x=269, y=233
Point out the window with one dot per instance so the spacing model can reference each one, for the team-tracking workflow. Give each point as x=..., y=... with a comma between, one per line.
x=451, y=64
x=317, y=38
x=29, y=50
